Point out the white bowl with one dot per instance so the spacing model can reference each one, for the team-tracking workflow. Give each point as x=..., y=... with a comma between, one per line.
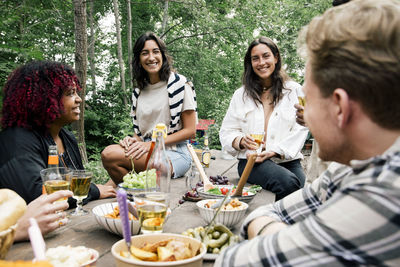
x=140, y=240
x=229, y=218
x=113, y=225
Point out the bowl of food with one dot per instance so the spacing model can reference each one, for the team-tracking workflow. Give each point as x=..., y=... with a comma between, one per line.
x=230, y=214
x=219, y=191
x=72, y=256
x=107, y=215
x=159, y=250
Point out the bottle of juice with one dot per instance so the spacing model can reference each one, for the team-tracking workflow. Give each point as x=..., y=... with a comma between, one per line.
x=206, y=154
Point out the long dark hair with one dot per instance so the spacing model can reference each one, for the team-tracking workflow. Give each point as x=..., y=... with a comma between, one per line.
x=251, y=81
x=33, y=92
x=139, y=74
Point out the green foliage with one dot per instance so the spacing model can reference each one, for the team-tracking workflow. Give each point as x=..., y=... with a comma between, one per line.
x=207, y=39
x=100, y=175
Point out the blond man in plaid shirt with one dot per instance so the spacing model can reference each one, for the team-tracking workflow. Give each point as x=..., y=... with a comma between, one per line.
x=350, y=215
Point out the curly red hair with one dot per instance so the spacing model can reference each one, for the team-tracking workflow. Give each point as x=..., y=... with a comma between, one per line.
x=33, y=92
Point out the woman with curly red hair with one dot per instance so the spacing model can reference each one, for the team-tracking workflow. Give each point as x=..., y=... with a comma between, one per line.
x=40, y=98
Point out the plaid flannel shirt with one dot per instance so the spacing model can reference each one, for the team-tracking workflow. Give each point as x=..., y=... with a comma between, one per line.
x=349, y=216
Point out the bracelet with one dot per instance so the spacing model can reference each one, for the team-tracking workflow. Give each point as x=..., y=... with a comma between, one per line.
x=265, y=226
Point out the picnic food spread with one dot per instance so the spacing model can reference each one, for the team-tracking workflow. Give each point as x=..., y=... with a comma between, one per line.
x=69, y=256
x=116, y=214
x=234, y=204
x=164, y=250
x=12, y=207
x=215, y=238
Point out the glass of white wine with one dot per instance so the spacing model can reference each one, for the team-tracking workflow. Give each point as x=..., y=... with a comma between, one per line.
x=258, y=138
x=80, y=185
x=56, y=179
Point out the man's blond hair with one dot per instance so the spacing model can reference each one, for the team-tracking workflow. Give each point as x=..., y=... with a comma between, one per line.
x=356, y=47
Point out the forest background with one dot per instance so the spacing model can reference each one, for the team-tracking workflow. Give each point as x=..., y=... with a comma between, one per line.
x=206, y=38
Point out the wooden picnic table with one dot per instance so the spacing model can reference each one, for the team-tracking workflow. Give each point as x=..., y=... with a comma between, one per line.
x=84, y=230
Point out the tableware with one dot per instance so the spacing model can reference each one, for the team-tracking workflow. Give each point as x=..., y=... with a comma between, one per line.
x=152, y=217
x=123, y=209
x=132, y=193
x=80, y=185
x=258, y=137
x=56, y=179
x=229, y=218
x=207, y=184
x=206, y=195
x=245, y=175
x=140, y=240
x=6, y=240
x=113, y=225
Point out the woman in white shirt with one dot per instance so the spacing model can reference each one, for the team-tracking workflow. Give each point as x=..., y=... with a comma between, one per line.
x=265, y=103
x=161, y=96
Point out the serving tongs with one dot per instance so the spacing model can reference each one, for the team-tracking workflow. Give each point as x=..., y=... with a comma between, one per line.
x=207, y=184
x=245, y=175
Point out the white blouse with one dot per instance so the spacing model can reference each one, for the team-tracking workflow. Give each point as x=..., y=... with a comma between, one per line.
x=284, y=136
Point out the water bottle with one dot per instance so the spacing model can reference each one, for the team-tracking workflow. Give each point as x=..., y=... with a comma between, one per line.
x=158, y=175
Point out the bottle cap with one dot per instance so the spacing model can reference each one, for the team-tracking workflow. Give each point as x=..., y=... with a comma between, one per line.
x=160, y=127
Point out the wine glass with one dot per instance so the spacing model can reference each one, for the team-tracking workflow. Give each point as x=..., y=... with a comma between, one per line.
x=80, y=185
x=56, y=179
x=258, y=138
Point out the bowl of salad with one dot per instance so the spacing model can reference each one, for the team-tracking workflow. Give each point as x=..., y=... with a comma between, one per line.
x=219, y=191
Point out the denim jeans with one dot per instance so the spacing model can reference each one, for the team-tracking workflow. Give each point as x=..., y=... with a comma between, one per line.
x=281, y=179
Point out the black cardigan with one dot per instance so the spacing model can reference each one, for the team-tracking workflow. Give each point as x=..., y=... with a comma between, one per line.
x=24, y=153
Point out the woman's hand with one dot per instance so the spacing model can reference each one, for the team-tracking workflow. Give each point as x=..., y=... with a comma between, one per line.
x=249, y=143
x=44, y=209
x=126, y=142
x=300, y=115
x=137, y=149
x=264, y=156
x=106, y=191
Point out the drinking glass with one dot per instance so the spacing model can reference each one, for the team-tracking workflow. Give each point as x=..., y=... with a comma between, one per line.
x=153, y=212
x=80, y=185
x=55, y=179
x=258, y=138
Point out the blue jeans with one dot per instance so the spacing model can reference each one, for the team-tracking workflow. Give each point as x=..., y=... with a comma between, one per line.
x=281, y=179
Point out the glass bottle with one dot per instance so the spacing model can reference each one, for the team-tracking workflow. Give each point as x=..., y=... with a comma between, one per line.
x=193, y=177
x=53, y=157
x=52, y=165
x=206, y=154
x=158, y=174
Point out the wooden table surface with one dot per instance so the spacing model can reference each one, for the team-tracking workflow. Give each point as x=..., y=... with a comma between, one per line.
x=84, y=230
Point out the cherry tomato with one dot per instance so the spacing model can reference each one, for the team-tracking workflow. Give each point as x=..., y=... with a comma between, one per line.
x=224, y=190
x=245, y=194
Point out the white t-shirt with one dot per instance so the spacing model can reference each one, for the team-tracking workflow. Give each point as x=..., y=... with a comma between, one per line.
x=153, y=107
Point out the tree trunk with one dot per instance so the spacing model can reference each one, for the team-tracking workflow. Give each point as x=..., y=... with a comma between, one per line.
x=80, y=68
x=92, y=40
x=130, y=59
x=165, y=19
x=120, y=59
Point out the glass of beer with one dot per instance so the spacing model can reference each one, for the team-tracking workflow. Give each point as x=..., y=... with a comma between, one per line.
x=56, y=179
x=80, y=185
x=258, y=138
